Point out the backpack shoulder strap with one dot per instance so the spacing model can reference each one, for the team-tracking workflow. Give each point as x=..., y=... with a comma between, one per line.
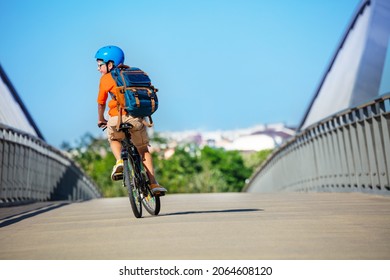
x=116, y=75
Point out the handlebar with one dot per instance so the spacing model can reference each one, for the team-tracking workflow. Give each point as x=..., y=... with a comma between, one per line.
x=123, y=126
x=102, y=125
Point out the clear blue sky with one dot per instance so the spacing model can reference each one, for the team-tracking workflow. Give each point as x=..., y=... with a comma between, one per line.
x=219, y=64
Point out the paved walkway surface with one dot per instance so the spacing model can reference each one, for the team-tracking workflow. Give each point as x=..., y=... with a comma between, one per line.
x=203, y=226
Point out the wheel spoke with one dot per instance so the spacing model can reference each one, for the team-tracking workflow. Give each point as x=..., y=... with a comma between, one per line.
x=131, y=183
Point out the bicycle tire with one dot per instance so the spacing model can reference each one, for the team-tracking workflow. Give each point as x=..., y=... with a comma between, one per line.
x=132, y=189
x=151, y=203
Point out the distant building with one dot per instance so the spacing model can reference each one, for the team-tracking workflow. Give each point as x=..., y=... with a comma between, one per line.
x=269, y=137
x=250, y=139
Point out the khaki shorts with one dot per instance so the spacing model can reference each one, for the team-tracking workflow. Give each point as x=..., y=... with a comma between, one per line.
x=139, y=136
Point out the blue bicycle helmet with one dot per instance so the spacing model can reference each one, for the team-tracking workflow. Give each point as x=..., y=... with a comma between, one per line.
x=111, y=53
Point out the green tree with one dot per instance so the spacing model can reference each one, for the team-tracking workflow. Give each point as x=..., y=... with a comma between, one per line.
x=191, y=169
x=254, y=160
x=209, y=180
x=230, y=164
x=177, y=171
x=95, y=157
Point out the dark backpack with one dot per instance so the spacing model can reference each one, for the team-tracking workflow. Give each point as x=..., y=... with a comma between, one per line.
x=134, y=92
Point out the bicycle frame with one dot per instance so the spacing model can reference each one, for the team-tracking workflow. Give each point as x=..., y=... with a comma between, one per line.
x=135, y=179
x=129, y=151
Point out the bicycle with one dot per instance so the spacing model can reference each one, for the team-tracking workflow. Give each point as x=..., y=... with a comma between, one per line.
x=134, y=177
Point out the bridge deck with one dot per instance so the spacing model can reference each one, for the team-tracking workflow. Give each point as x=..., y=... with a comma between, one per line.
x=204, y=226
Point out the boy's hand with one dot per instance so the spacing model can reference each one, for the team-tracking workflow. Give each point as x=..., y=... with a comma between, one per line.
x=102, y=124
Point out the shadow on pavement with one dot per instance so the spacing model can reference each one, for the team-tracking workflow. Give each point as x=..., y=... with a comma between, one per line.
x=6, y=221
x=211, y=211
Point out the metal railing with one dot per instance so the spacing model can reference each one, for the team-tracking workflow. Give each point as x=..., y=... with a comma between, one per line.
x=32, y=170
x=349, y=151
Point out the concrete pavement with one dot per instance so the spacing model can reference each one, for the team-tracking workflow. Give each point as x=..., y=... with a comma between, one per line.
x=205, y=226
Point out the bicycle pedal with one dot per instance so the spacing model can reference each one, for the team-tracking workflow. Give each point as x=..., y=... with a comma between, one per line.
x=159, y=194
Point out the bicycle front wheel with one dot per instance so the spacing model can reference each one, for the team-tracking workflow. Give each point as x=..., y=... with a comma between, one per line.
x=132, y=189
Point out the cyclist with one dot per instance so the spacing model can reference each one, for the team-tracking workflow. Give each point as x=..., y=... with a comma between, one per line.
x=108, y=58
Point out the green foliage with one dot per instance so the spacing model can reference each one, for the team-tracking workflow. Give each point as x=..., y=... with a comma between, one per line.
x=174, y=173
x=231, y=166
x=95, y=158
x=254, y=160
x=189, y=170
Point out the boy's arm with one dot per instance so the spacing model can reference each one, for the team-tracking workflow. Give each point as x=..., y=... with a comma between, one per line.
x=101, y=119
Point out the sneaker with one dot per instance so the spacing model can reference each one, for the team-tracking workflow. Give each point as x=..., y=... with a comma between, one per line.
x=117, y=171
x=157, y=189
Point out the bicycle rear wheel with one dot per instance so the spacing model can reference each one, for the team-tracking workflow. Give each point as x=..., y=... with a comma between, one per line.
x=132, y=189
x=151, y=202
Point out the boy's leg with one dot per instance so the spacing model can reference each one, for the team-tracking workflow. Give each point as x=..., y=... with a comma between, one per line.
x=148, y=164
x=116, y=148
x=117, y=170
x=114, y=138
